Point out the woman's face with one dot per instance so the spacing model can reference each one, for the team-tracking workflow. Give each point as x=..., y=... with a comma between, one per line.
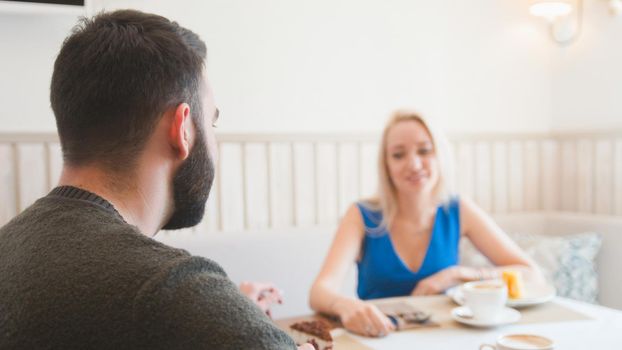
x=411, y=158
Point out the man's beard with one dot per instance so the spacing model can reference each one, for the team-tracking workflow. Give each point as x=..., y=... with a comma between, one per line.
x=191, y=186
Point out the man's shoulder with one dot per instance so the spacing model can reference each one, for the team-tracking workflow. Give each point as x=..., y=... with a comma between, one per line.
x=62, y=215
x=89, y=236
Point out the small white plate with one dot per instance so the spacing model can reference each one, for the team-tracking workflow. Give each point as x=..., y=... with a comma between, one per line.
x=462, y=314
x=535, y=294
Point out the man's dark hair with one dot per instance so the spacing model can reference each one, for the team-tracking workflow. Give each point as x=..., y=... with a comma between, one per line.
x=115, y=75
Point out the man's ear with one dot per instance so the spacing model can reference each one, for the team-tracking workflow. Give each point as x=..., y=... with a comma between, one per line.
x=181, y=131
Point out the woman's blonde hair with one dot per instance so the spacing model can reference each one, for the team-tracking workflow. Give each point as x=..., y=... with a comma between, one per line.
x=386, y=197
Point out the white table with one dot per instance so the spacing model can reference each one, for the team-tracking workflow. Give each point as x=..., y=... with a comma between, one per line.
x=602, y=331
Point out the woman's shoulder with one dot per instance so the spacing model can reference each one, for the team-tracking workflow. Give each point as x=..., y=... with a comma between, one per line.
x=371, y=213
x=369, y=205
x=370, y=209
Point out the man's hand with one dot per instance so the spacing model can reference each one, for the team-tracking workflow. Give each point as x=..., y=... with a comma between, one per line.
x=262, y=294
x=306, y=346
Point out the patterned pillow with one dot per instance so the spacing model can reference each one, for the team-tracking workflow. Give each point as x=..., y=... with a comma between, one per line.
x=567, y=261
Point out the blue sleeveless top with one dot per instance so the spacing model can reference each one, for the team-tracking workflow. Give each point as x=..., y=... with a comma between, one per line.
x=382, y=273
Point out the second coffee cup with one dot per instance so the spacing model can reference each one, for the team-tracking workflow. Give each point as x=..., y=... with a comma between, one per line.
x=486, y=299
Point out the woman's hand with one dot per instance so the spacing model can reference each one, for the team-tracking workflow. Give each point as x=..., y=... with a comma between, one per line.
x=262, y=294
x=439, y=282
x=306, y=346
x=451, y=276
x=363, y=318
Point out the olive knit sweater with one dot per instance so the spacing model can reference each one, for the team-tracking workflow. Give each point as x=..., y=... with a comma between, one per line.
x=75, y=275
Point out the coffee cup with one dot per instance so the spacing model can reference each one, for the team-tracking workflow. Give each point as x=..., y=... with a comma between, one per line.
x=520, y=342
x=486, y=299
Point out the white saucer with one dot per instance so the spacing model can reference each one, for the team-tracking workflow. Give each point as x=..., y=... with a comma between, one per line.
x=535, y=294
x=508, y=316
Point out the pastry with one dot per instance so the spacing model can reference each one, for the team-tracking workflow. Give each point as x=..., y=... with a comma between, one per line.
x=514, y=282
x=316, y=332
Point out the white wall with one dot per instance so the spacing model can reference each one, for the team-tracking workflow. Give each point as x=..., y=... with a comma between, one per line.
x=29, y=44
x=294, y=65
x=587, y=76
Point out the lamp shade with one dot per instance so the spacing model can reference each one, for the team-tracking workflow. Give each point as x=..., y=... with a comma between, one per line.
x=616, y=7
x=550, y=9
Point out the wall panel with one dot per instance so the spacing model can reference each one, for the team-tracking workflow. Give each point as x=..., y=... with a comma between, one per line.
x=280, y=181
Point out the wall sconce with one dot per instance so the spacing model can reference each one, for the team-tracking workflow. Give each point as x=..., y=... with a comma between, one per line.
x=563, y=27
x=615, y=6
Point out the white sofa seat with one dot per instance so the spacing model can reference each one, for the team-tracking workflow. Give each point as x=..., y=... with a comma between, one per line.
x=292, y=258
x=289, y=258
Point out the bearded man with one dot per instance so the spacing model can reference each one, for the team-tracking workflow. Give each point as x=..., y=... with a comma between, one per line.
x=79, y=269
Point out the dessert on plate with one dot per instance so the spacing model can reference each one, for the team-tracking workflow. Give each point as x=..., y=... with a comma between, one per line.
x=316, y=332
x=514, y=282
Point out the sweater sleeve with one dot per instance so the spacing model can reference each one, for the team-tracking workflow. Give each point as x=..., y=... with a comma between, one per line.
x=191, y=304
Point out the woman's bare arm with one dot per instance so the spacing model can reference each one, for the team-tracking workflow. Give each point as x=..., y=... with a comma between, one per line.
x=494, y=243
x=356, y=315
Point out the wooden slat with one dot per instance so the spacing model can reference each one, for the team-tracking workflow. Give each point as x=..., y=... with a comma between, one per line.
x=337, y=165
x=280, y=185
x=56, y=163
x=483, y=176
x=219, y=173
x=270, y=200
x=8, y=209
x=550, y=164
x=257, y=191
x=326, y=174
x=368, y=163
x=245, y=177
x=359, y=177
x=348, y=176
x=292, y=162
x=585, y=181
x=532, y=175
x=231, y=187
x=15, y=163
x=603, y=177
x=304, y=171
x=209, y=224
x=316, y=181
x=47, y=165
x=500, y=170
x=466, y=175
x=617, y=190
x=568, y=176
x=516, y=176
x=32, y=168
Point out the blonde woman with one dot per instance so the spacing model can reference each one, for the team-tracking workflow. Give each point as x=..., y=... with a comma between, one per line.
x=405, y=241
